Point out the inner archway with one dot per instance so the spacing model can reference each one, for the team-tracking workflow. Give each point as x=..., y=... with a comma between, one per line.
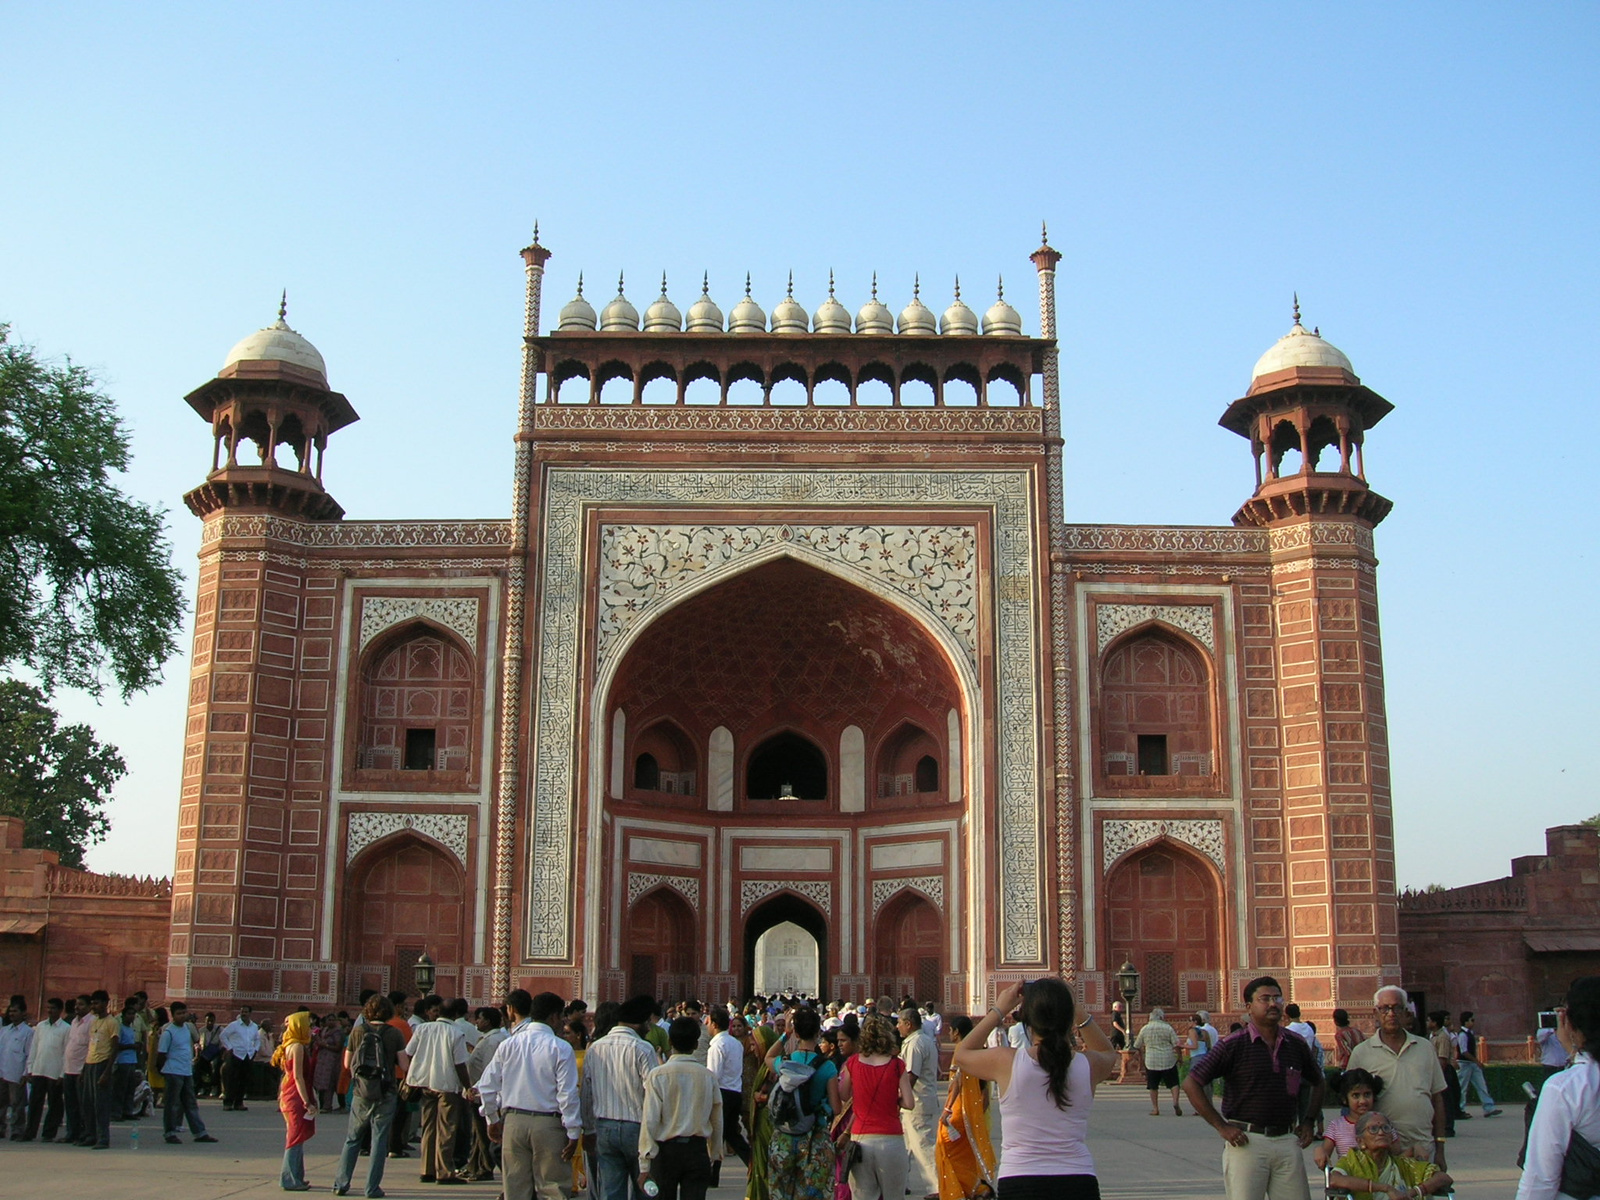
x=1161, y=914
x=785, y=909
x=403, y=898
x=910, y=949
x=786, y=961
x=658, y=946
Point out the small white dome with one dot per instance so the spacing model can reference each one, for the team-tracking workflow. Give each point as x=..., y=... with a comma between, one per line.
x=831, y=317
x=619, y=316
x=578, y=313
x=789, y=316
x=663, y=316
x=278, y=343
x=874, y=316
x=1298, y=348
x=916, y=318
x=704, y=315
x=959, y=320
x=1002, y=319
x=747, y=316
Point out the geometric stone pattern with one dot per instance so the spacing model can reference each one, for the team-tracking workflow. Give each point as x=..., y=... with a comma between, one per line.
x=931, y=886
x=458, y=614
x=937, y=566
x=1198, y=620
x=364, y=828
x=569, y=491
x=685, y=885
x=753, y=891
x=1205, y=835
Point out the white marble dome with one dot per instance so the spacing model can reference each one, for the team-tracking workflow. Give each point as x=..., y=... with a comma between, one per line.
x=746, y=316
x=958, y=320
x=663, y=316
x=278, y=343
x=916, y=318
x=874, y=316
x=831, y=316
x=1300, y=348
x=577, y=313
x=789, y=316
x=620, y=315
x=704, y=315
x=1001, y=318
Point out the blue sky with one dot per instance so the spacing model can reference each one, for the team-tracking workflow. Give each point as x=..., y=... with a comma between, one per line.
x=1424, y=175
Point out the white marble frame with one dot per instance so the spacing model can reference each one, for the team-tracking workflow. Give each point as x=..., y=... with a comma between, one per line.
x=482, y=799
x=571, y=492
x=1224, y=661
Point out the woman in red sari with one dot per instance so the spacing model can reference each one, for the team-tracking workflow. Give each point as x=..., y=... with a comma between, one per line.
x=296, y=1101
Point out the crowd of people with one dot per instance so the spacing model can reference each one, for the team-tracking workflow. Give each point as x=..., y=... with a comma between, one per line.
x=834, y=1102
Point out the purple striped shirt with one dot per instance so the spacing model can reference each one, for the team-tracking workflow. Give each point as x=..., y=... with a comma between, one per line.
x=1261, y=1082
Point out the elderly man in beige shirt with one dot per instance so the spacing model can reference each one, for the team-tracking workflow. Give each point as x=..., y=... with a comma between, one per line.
x=681, y=1134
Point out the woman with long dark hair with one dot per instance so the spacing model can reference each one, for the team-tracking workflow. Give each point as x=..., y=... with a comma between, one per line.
x=1046, y=1091
x=1569, y=1102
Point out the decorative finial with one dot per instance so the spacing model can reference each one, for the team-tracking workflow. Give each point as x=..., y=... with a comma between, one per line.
x=536, y=231
x=830, y=283
x=580, y=283
x=619, y=283
x=663, y=285
x=283, y=305
x=1297, y=308
x=874, y=286
x=791, y=284
x=1000, y=287
x=1044, y=233
x=705, y=283
x=747, y=285
x=916, y=287
x=958, y=287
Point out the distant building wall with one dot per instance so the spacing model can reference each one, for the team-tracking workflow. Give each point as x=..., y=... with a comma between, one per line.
x=64, y=931
x=1508, y=948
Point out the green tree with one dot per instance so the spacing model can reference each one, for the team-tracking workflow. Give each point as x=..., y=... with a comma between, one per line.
x=56, y=777
x=86, y=576
x=1594, y=820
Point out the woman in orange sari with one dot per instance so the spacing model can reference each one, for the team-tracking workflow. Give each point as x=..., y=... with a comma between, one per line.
x=963, y=1153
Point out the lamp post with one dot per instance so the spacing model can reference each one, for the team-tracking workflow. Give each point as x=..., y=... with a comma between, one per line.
x=1128, y=985
x=424, y=974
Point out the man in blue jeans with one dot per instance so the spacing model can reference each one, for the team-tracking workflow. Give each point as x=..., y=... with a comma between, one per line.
x=175, y=1062
x=372, y=1102
x=612, y=1096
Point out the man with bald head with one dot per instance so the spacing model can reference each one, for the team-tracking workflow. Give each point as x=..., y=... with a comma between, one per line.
x=1413, y=1081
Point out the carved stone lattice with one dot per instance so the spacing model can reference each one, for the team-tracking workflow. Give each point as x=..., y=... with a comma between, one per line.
x=936, y=566
x=753, y=891
x=459, y=614
x=370, y=535
x=1113, y=620
x=931, y=886
x=1204, y=834
x=685, y=885
x=364, y=828
x=571, y=492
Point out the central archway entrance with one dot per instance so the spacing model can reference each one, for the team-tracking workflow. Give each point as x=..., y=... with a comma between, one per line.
x=774, y=917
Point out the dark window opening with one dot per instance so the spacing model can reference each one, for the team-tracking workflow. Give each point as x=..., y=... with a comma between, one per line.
x=419, y=749
x=646, y=773
x=1153, y=754
x=927, y=774
x=787, y=766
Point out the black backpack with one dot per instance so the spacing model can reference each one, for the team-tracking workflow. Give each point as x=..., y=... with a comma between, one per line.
x=372, y=1072
x=791, y=1109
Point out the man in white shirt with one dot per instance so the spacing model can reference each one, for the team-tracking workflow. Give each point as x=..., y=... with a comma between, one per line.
x=438, y=1055
x=725, y=1061
x=480, y=1165
x=1306, y=1030
x=921, y=1123
x=16, y=1040
x=46, y=1063
x=680, y=1136
x=932, y=1021
x=614, y=1070
x=1569, y=1101
x=241, y=1041
x=530, y=1100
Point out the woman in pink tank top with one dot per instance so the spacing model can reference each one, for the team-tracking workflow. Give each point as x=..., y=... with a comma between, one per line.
x=1046, y=1091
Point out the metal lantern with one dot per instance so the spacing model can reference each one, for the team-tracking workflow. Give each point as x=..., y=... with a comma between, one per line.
x=424, y=974
x=1128, y=982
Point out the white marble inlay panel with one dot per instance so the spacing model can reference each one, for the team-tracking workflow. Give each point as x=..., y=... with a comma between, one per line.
x=785, y=858
x=666, y=853
x=1113, y=620
x=364, y=828
x=753, y=891
x=685, y=885
x=931, y=886
x=1204, y=834
x=892, y=856
x=459, y=614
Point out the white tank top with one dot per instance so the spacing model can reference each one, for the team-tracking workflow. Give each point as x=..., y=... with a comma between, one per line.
x=1037, y=1138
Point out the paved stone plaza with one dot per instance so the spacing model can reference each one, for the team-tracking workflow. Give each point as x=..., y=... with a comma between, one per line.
x=1138, y=1156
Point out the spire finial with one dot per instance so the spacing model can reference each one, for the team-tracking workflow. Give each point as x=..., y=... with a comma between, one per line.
x=283, y=305
x=791, y=283
x=663, y=285
x=747, y=285
x=874, y=286
x=1044, y=233
x=1000, y=287
x=705, y=283
x=580, y=284
x=1297, y=308
x=619, y=283
x=536, y=231
x=958, y=287
x=830, y=283
x=916, y=287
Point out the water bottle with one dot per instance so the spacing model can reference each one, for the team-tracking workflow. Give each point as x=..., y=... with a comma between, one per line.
x=652, y=1188
x=133, y=1137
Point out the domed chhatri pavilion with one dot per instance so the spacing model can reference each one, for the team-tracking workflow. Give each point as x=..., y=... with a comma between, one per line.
x=786, y=633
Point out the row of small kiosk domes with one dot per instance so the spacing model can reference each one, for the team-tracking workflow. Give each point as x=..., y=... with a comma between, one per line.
x=916, y=319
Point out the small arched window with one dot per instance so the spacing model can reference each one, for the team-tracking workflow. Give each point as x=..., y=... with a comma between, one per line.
x=646, y=774
x=927, y=774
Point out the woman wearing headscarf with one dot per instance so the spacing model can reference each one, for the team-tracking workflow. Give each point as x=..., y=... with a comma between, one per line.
x=964, y=1152
x=296, y=1101
x=756, y=1118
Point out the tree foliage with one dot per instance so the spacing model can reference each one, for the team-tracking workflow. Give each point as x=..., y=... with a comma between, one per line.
x=57, y=778
x=86, y=576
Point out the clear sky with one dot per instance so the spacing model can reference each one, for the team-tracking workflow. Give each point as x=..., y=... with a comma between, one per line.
x=1424, y=175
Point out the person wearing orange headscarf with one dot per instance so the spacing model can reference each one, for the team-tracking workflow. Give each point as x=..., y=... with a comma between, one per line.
x=963, y=1152
x=296, y=1101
